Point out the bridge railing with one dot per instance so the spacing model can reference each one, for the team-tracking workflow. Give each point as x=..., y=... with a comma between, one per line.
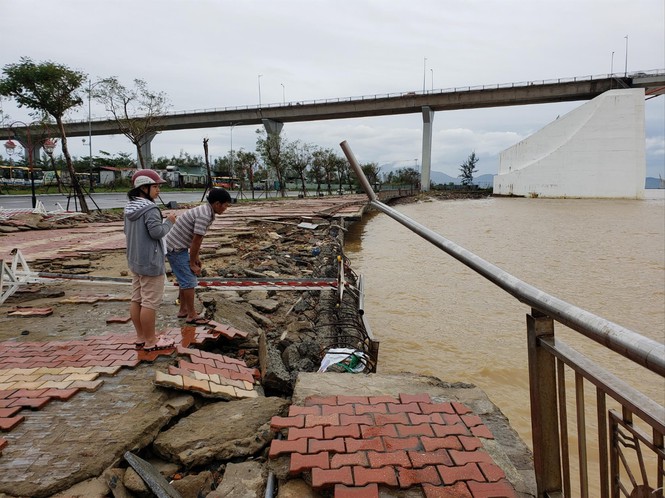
x=626, y=431
x=521, y=84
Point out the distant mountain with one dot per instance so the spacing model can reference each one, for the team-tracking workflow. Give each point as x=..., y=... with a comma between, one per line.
x=443, y=179
x=487, y=180
x=484, y=180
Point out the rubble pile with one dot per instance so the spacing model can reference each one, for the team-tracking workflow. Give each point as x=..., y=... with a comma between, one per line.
x=198, y=447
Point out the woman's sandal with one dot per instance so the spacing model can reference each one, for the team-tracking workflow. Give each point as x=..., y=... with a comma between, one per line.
x=139, y=345
x=162, y=343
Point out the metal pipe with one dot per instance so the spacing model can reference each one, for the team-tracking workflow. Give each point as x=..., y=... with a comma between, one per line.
x=270, y=482
x=270, y=485
x=361, y=295
x=364, y=182
x=642, y=350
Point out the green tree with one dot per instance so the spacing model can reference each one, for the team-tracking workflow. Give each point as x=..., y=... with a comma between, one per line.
x=468, y=168
x=222, y=165
x=246, y=164
x=407, y=176
x=299, y=157
x=137, y=111
x=119, y=160
x=184, y=160
x=49, y=89
x=342, y=168
x=317, y=172
x=3, y=115
x=326, y=164
x=269, y=146
x=372, y=171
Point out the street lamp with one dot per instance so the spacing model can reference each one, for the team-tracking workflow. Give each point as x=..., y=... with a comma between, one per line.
x=233, y=125
x=626, y=66
x=283, y=94
x=90, y=87
x=10, y=147
x=432, y=70
x=259, y=78
x=424, y=72
x=612, y=64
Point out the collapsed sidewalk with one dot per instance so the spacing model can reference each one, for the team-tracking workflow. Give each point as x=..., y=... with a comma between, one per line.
x=201, y=434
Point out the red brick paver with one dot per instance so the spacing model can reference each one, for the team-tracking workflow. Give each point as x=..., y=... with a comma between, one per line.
x=354, y=444
x=33, y=374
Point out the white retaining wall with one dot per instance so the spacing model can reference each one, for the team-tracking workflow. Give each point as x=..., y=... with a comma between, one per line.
x=596, y=150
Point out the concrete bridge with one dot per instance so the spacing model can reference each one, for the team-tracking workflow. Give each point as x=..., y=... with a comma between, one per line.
x=273, y=116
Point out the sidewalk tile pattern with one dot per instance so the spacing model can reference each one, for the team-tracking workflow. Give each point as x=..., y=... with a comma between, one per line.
x=210, y=374
x=33, y=374
x=353, y=445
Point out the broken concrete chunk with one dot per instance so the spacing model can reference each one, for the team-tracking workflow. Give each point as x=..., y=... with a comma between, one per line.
x=242, y=480
x=221, y=431
x=265, y=305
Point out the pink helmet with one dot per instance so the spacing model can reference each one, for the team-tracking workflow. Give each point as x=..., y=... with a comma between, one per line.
x=146, y=177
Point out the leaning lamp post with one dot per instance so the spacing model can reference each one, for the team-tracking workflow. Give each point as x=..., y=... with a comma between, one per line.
x=10, y=147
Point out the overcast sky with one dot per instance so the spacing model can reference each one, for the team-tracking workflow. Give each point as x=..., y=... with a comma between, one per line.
x=210, y=53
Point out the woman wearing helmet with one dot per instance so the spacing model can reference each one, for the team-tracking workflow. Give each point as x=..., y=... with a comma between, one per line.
x=144, y=231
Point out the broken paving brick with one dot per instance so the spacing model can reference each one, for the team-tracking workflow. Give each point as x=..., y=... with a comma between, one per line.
x=28, y=312
x=167, y=380
x=79, y=300
x=189, y=377
x=9, y=412
x=192, y=384
x=93, y=299
x=32, y=403
x=114, y=298
x=104, y=370
x=244, y=393
x=222, y=391
x=8, y=423
x=87, y=385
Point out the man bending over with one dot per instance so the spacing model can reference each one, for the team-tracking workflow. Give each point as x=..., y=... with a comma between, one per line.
x=183, y=244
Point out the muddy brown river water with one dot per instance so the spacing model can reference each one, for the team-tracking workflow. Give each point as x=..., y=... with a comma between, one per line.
x=435, y=316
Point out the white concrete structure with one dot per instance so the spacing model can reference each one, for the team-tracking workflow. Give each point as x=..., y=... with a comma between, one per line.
x=596, y=150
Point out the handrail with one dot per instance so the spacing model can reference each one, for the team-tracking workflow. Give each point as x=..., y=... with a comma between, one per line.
x=644, y=351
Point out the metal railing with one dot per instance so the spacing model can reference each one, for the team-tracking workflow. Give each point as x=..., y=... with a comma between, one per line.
x=630, y=457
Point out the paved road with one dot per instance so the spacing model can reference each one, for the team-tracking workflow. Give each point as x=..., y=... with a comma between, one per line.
x=106, y=200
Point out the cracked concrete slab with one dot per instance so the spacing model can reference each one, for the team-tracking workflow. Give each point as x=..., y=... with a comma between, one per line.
x=68, y=442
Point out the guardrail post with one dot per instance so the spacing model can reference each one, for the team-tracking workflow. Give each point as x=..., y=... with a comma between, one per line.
x=543, y=395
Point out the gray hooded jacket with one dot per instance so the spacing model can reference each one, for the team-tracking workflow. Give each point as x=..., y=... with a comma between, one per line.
x=144, y=230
